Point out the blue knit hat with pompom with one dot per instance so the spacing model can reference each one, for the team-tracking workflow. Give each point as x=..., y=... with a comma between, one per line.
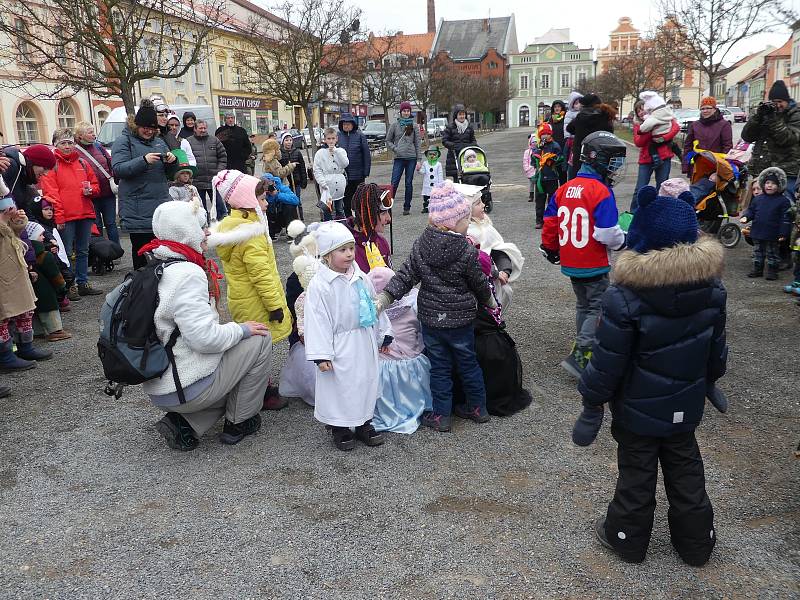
x=662, y=222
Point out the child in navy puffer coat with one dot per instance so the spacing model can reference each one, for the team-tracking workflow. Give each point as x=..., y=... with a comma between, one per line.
x=771, y=222
x=660, y=348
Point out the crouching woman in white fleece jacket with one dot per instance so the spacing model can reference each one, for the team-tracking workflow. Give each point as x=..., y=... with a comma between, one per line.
x=223, y=369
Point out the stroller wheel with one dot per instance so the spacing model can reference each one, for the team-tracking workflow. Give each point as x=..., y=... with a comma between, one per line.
x=729, y=235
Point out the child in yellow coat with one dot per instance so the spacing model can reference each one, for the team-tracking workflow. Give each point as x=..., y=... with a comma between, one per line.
x=242, y=242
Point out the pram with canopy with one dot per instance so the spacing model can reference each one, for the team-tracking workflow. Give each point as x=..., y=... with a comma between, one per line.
x=476, y=172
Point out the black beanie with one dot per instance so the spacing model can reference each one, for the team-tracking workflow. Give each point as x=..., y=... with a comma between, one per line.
x=146, y=117
x=590, y=100
x=778, y=91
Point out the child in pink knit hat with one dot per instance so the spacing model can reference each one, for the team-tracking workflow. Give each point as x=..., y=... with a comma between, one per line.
x=452, y=285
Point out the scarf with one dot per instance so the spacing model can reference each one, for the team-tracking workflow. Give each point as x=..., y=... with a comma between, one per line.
x=209, y=266
x=405, y=121
x=556, y=118
x=462, y=127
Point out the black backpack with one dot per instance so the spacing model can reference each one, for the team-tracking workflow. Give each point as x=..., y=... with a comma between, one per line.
x=128, y=347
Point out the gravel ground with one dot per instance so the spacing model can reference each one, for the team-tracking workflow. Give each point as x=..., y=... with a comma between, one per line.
x=93, y=505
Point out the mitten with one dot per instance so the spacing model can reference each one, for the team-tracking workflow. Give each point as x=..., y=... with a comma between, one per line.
x=717, y=398
x=276, y=315
x=551, y=255
x=588, y=425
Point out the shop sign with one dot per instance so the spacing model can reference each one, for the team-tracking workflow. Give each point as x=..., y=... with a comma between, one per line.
x=245, y=103
x=359, y=110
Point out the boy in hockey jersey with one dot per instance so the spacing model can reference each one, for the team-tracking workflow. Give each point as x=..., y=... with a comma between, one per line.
x=580, y=225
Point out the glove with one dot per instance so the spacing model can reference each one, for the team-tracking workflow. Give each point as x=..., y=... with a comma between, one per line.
x=587, y=426
x=382, y=302
x=550, y=255
x=276, y=315
x=717, y=398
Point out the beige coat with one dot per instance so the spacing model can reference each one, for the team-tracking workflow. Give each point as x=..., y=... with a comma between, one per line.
x=16, y=291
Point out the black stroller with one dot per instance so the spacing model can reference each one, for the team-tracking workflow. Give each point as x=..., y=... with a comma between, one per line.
x=473, y=169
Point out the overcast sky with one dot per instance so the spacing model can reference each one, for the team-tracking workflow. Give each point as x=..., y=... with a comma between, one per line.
x=589, y=21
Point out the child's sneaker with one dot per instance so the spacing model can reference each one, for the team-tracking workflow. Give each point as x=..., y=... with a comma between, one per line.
x=477, y=414
x=576, y=362
x=440, y=423
x=366, y=434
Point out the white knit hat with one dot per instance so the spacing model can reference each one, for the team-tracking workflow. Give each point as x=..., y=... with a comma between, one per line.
x=305, y=267
x=181, y=222
x=34, y=230
x=330, y=235
x=652, y=100
x=303, y=243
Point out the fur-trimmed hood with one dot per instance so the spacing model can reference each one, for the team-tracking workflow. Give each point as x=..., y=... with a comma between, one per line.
x=680, y=265
x=777, y=172
x=239, y=234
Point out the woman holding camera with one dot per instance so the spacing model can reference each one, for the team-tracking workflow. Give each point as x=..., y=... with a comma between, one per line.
x=139, y=158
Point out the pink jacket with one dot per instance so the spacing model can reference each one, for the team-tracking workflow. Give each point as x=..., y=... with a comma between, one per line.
x=528, y=166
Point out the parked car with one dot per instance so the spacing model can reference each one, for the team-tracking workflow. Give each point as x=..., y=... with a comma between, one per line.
x=297, y=138
x=685, y=116
x=727, y=115
x=375, y=131
x=117, y=120
x=436, y=127
x=307, y=135
x=739, y=116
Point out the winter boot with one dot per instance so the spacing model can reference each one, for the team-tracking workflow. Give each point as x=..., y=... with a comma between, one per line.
x=72, y=293
x=233, y=433
x=366, y=434
x=440, y=423
x=273, y=400
x=600, y=534
x=342, y=438
x=425, y=206
x=177, y=432
x=772, y=273
x=10, y=362
x=530, y=197
x=757, y=271
x=26, y=350
x=477, y=414
x=84, y=289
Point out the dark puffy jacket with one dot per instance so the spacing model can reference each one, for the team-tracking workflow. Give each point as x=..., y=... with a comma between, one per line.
x=776, y=141
x=211, y=158
x=298, y=179
x=142, y=186
x=455, y=142
x=447, y=266
x=713, y=133
x=237, y=145
x=661, y=339
x=588, y=120
x=770, y=216
x=18, y=181
x=357, y=148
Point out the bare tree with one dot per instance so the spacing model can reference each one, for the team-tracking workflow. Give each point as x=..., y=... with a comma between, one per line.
x=293, y=59
x=710, y=30
x=450, y=85
x=106, y=46
x=418, y=85
x=383, y=72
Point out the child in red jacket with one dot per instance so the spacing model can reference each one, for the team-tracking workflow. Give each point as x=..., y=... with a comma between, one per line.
x=71, y=185
x=580, y=224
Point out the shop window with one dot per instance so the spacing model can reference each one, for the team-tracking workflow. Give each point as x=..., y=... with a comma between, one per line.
x=27, y=124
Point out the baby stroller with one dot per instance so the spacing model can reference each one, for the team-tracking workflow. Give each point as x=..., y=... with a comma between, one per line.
x=476, y=172
x=715, y=200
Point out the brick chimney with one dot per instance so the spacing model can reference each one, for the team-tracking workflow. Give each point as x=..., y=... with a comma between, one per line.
x=431, y=16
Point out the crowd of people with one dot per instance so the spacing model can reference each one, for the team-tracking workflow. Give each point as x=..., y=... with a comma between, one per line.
x=380, y=347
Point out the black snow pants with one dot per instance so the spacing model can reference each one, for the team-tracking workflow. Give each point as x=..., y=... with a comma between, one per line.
x=629, y=520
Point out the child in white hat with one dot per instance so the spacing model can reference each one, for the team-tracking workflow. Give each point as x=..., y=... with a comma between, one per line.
x=341, y=336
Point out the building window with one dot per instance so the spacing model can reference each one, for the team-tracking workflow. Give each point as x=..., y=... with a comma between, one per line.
x=786, y=68
x=581, y=80
x=221, y=72
x=198, y=74
x=523, y=82
x=545, y=82
x=524, y=116
x=387, y=63
x=370, y=64
x=565, y=80
x=101, y=118
x=22, y=46
x=27, y=124
x=492, y=65
x=66, y=114
x=420, y=61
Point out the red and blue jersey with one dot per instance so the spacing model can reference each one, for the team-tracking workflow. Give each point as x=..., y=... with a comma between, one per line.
x=580, y=221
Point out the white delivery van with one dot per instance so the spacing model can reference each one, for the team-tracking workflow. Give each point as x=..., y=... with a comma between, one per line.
x=118, y=119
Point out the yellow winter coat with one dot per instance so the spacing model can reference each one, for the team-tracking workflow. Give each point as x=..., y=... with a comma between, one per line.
x=251, y=273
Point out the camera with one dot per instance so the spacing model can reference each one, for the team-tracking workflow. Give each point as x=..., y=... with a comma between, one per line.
x=163, y=157
x=766, y=108
x=271, y=188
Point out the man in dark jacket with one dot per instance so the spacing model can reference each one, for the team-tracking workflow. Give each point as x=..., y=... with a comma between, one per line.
x=593, y=116
x=455, y=137
x=660, y=349
x=211, y=159
x=297, y=179
x=355, y=144
x=24, y=170
x=775, y=130
x=236, y=142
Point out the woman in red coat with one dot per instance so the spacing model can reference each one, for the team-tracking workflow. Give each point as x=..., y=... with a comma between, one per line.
x=655, y=155
x=71, y=185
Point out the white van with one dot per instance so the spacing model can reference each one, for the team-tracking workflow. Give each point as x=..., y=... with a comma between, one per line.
x=118, y=120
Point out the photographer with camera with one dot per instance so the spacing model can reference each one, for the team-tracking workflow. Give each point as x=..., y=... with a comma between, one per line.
x=139, y=158
x=774, y=129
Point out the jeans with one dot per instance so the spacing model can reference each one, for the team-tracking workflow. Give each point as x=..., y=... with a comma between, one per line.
x=222, y=211
x=588, y=301
x=77, y=234
x=629, y=520
x=766, y=249
x=645, y=172
x=408, y=165
x=105, y=210
x=446, y=347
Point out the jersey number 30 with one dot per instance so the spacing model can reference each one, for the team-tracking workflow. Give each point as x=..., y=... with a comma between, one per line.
x=574, y=227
